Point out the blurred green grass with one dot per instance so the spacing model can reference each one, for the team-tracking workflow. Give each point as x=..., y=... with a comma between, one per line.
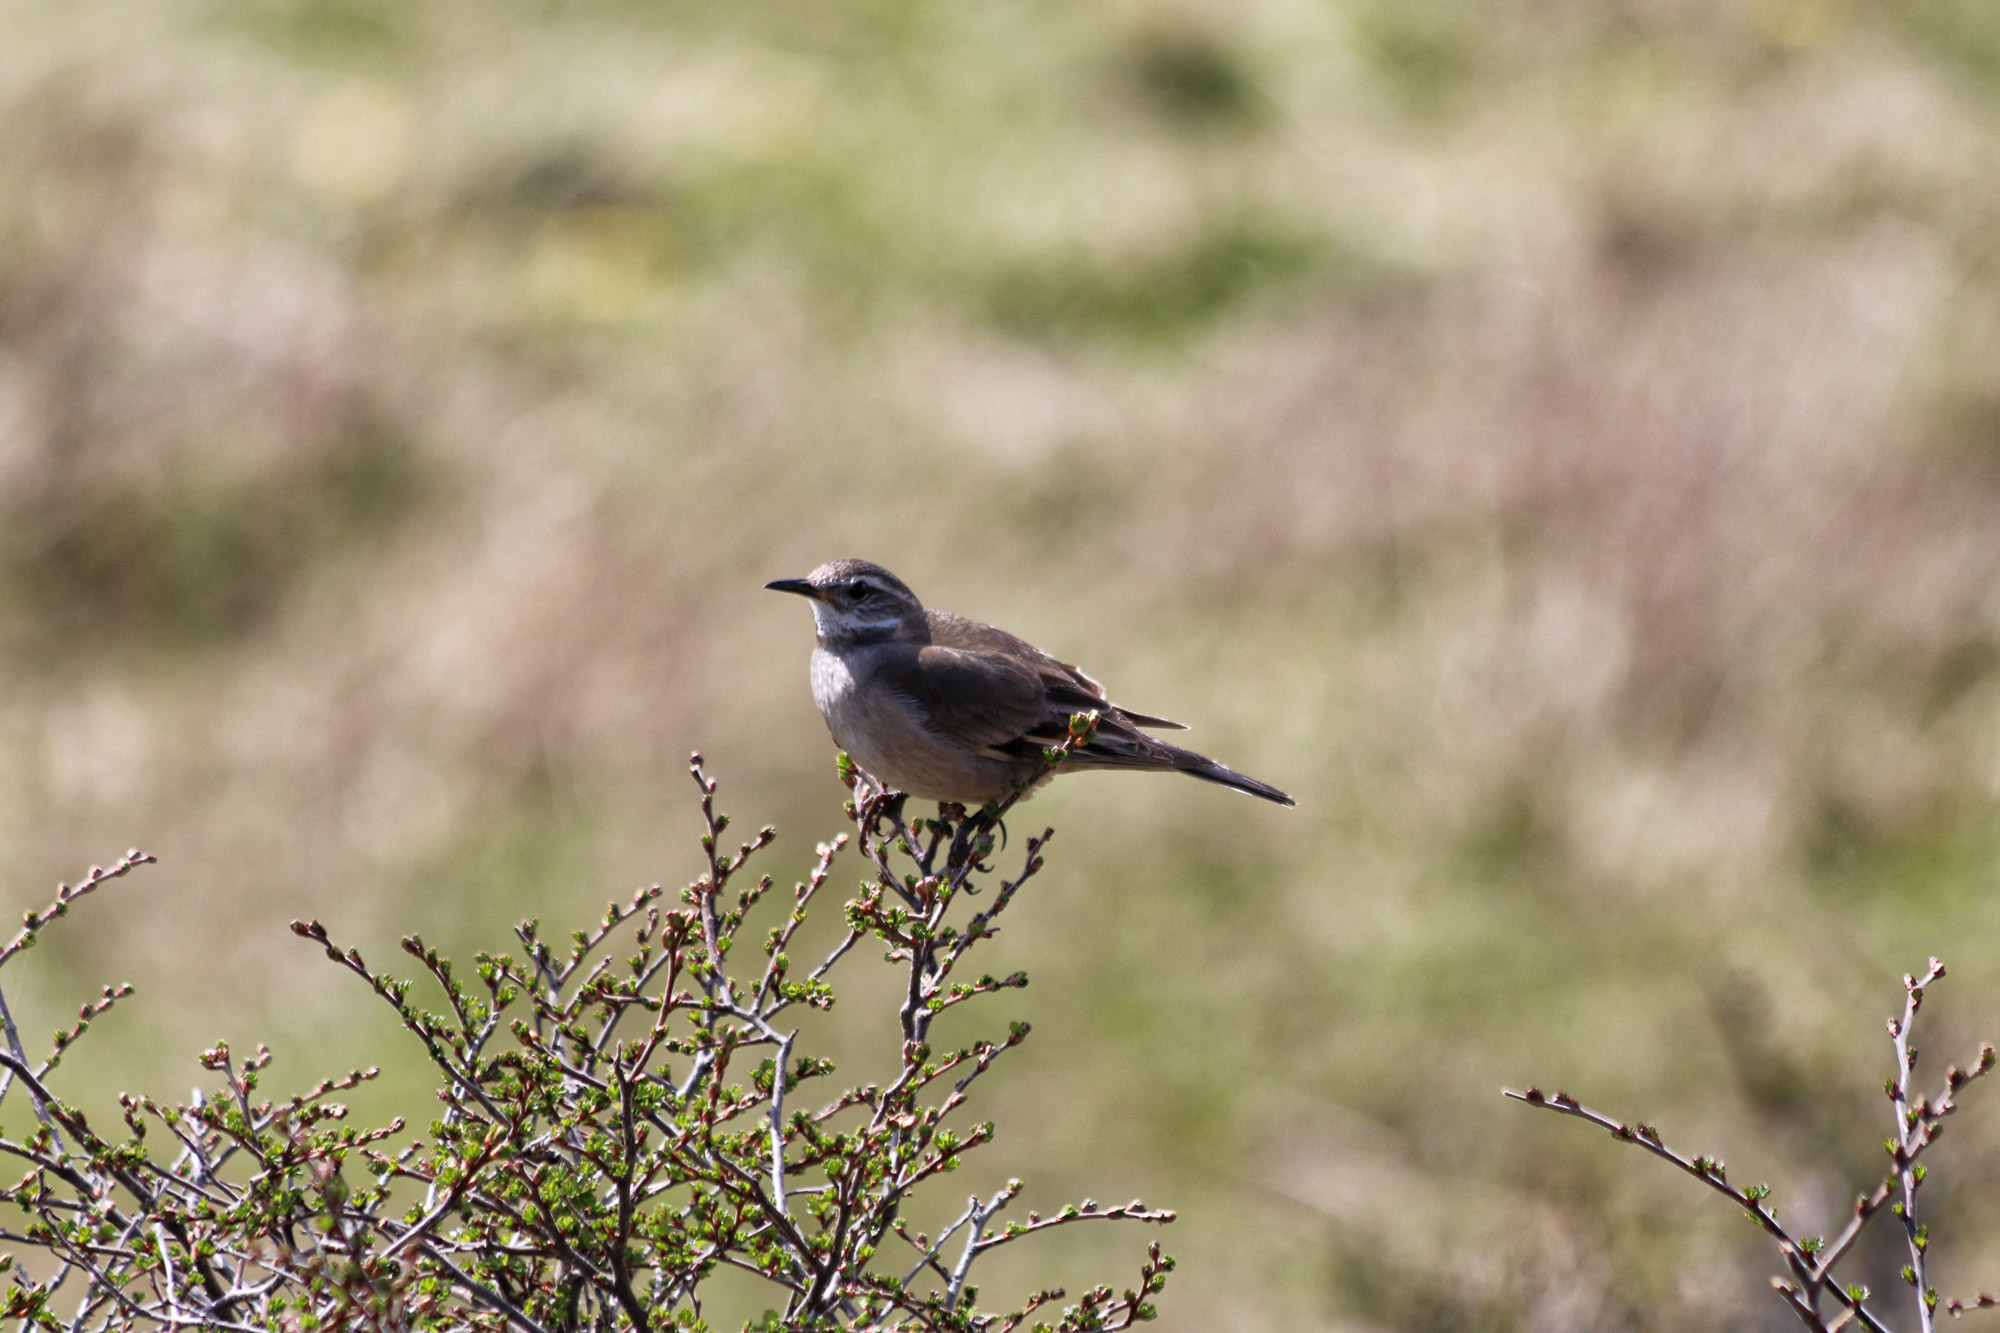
x=1554, y=441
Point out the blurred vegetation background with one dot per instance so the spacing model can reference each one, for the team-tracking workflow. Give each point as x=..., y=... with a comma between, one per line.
x=1559, y=441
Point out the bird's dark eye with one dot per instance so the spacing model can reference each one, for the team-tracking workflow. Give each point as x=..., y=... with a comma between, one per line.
x=860, y=592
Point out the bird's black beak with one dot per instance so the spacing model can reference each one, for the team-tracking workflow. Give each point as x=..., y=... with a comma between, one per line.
x=799, y=586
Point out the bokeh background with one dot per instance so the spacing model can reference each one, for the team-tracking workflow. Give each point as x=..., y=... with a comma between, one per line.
x=1559, y=440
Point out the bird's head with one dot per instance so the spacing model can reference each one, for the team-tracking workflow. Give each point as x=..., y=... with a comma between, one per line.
x=857, y=602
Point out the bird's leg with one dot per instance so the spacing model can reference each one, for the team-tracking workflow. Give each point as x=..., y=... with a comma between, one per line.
x=873, y=798
x=956, y=826
x=948, y=813
x=966, y=840
x=992, y=816
x=871, y=811
x=892, y=811
x=882, y=804
x=911, y=843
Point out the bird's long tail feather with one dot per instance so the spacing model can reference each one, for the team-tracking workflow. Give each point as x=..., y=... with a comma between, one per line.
x=1118, y=744
x=1210, y=771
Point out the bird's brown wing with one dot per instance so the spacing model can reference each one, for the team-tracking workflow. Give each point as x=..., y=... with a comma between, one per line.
x=1010, y=707
x=977, y=700
x=1068, y=688
x=984, y=689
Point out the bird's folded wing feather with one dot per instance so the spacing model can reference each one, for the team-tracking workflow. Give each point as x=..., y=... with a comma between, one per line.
x=978, y=700
x=1068, y=688
x=1005, y=706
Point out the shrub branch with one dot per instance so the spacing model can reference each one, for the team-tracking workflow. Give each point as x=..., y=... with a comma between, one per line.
x=623, y=1116
x=1807, y=1284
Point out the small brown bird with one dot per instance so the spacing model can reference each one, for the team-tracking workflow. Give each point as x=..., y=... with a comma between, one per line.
x=948, y=709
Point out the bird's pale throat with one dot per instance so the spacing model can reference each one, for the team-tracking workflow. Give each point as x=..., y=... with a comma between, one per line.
x=848, y=634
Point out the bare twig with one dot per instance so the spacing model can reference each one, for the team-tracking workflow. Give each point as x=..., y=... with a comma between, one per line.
x=1809, y=1261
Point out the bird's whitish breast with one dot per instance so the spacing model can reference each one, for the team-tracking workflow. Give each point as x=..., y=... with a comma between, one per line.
x=860, y=723
x=833, y=688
